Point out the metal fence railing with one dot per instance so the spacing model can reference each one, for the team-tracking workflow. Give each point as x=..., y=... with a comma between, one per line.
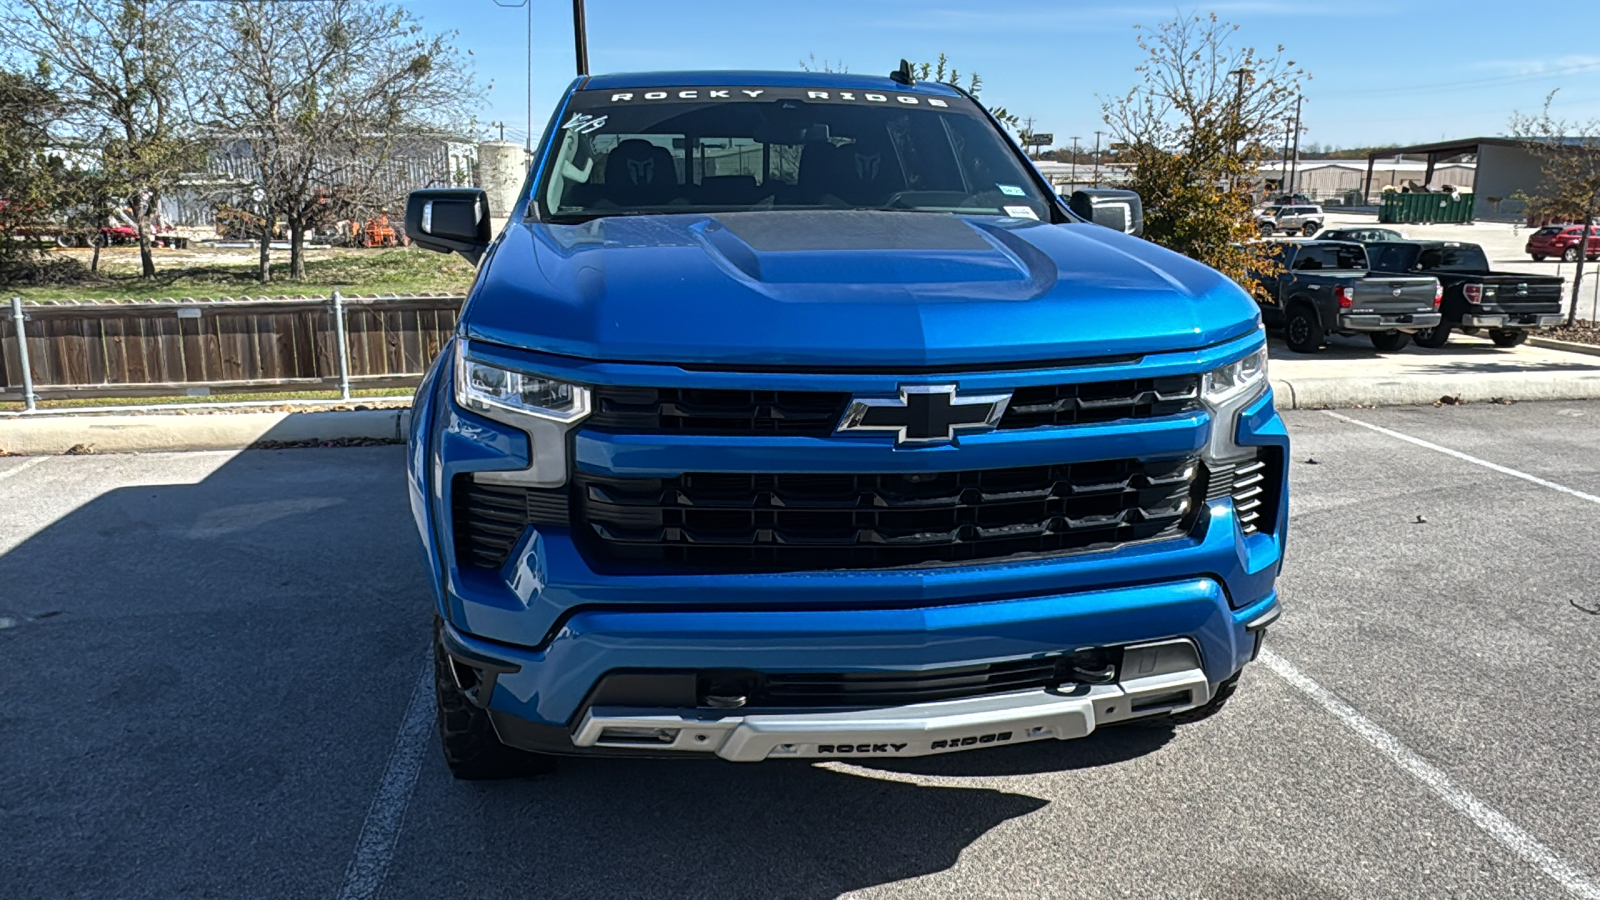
x=178, y=348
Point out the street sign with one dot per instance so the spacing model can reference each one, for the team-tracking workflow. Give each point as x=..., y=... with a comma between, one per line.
x=1041, y=139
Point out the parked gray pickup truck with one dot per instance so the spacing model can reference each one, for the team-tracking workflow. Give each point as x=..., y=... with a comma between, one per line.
x=1324, y=287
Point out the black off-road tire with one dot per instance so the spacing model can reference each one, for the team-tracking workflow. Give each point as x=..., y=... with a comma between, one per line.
x=1433, y=338
x=1309, y=229
x=472, y=750
x=1509, y=337
x=1390, y=341
x=1303, y=330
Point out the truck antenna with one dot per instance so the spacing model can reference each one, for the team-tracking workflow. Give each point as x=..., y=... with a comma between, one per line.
x=903, y=75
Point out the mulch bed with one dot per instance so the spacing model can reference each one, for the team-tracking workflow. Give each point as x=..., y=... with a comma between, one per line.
x=1582, y=332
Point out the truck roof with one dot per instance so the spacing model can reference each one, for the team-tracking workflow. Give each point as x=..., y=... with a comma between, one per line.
x=733, y=77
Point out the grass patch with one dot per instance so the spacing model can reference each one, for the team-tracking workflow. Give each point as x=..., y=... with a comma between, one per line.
x=207, y=274
x=93, y=402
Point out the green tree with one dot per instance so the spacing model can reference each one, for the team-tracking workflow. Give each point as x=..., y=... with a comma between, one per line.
x=1206, y=113
x=121, y=69
x=29, y=172
x=1569, y=158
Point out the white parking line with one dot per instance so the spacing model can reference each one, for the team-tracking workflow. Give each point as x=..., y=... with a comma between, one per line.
x=1496, y=825
x=381, y=830
x=1504, y=470
x=21, y=467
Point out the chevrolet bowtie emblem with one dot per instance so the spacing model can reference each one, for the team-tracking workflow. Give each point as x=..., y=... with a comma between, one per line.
x=925, y=413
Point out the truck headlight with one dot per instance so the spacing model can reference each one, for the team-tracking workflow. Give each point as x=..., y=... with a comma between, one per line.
x=492, y=391
x=543, y=408
x=1240, y=377
x=1226, y=390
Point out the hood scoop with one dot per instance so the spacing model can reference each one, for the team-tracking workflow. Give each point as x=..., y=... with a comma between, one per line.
x=861, y=247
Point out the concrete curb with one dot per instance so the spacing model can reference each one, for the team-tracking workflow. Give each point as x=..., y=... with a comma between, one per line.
x=1568, y=346
x=50, y=434
x=1421, y=390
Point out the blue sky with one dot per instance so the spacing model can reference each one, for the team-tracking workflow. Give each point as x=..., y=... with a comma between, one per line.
x=1382, y=71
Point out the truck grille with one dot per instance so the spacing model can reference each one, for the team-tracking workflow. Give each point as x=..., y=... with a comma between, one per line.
x=827, y=521
x=1252, y=485
x=490, y=518
x=646, y=410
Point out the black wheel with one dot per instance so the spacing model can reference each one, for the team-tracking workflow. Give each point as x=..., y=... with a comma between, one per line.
x=1206, y=710
x=1309, y=229
x=1433, y=338
x=1507, y=337
x=1570, y=254
x=472, y=750
x=101, y=240
x=1266, y=229
x=1390, y=341
x=1302, y=330
x=1537, y=257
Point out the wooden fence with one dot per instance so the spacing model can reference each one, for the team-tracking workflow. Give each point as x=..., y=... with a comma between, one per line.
x=163, y=348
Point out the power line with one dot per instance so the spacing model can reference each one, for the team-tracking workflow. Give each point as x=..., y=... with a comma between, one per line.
x=1468, y=83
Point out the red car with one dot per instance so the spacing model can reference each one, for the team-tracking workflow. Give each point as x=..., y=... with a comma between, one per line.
x=1562, y=241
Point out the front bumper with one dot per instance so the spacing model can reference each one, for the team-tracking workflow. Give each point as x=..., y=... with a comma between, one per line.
x=547, y=626
x=1167, y=678
x=1513, y=320
x=1388, y=322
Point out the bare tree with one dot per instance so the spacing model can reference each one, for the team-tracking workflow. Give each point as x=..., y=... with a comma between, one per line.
x=1195, y=129
x=120, y=68
x=1569, y=157
x=320, y=96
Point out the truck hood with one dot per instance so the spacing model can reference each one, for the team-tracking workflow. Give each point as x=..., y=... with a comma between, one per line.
x=845, y=288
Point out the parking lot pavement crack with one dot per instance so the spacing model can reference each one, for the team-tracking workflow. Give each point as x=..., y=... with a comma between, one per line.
x=1464, y=457
x=1575, y=881
x=380, y=832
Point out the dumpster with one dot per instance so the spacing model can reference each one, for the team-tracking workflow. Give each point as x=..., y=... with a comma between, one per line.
x=1423, y=209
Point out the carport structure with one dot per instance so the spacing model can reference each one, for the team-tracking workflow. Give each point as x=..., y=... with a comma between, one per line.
x=1506, y=167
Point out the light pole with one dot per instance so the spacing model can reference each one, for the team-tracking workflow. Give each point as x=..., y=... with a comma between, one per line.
x=529, y=5
x=580, y=37
x=1074, y=159
x=1097, y=157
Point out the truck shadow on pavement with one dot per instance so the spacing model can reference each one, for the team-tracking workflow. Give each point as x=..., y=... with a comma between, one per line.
x=230, y=645
x=669, y=828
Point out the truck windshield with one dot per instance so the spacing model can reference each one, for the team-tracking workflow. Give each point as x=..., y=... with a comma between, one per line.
x=698, y=149
x=1468, y=259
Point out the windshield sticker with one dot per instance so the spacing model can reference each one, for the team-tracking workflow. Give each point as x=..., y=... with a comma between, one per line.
x=1012, y=190
x=1021, y=212
x=583, y=123
x=704, y=94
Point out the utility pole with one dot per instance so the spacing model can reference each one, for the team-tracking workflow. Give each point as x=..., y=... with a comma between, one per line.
x=1032, y=151
x=1238, y=105
x=1074, y=159
x=1294, y=156
x=1283, y=176
x=1097, y=157
x=580, y=38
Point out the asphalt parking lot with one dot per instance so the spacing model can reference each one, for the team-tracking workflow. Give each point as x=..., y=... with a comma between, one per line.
x=210, y=668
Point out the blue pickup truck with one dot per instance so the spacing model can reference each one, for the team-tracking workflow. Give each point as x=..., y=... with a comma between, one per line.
x=794, y=416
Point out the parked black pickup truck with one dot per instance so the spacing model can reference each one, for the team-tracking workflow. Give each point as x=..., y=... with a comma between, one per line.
x=1508, y=304
x=1324, y=287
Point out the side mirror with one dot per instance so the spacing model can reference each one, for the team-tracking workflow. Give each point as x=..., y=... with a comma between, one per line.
x=450, y=220
x=1115, y=209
